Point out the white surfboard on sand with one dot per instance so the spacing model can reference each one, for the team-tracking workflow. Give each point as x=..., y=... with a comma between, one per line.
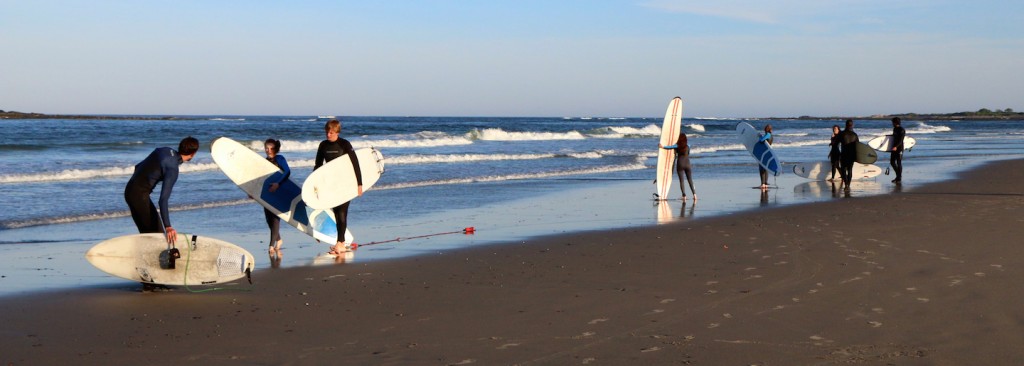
x=761, y=151
x=253, y=174
x=147, y=258
x=884, y=143
x=666, y=157
x=822, y=170
x=335, y=183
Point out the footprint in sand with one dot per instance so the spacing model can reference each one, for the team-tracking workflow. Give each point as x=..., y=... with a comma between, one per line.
x=463, y=362
x=588, y=360
x=507, y=345
x=923, y=299
x=979, y=274
x=713, y=325
x=996, y=266
x=655, y=311
x=650, y=349
x=875, y=324
x=709, y=283
x=598, y=320
x=878, y=310
x=584, y=335
x=666, y=301
x=727, y=316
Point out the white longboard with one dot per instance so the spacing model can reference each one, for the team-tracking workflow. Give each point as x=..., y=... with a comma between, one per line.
x=254, y=174
x=146, y=258
x=884, y=143
x=669, y=136
x=761, y=151
x=335, y=183
x=822, y=170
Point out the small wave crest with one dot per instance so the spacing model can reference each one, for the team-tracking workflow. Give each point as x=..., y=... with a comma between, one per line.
x=17, y=224
x=497, y=134
x=926, y=128
x=638, y=165
x=697, y=127
x=83, y=174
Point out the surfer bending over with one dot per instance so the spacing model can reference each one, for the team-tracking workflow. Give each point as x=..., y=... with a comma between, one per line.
x=848, y=152
x=682, y=151
x=833, y=153
x=330, y=149
x=160, y=166
x=766, y=138
x=896, y=154
x=272, y=147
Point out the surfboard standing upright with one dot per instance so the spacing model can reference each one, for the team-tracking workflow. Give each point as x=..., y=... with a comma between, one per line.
x=335, y=183
x=666, y=157
x=253, y=174
x=761, y=151
x=147, y=258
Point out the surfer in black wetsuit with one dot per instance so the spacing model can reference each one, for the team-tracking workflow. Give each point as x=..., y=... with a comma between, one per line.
x=896, y=154
x=272, y=147
x=848, y=152
x=682, y=152
x=160, y=166
x=330, y=149
x=833, y=153
x=767, y=138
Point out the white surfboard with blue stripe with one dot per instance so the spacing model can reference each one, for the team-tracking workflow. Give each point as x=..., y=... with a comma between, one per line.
x=761, y=151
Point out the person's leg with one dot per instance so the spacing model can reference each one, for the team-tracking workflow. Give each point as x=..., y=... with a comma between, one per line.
x=341, y=215
x=143, y=212
x=274, y=224
x=764, y=176
x=689, y=179
x=896, y=161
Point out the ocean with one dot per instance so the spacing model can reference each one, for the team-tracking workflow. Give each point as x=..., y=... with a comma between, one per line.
x=62, y=181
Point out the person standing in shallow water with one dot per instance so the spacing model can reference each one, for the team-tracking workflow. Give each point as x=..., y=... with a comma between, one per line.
x=848, y=152
x=767, y=138
x=272, y=148
x=161, y=166
x=682, y=152
x=833, y=153
x=330, y=149
x=896, y=153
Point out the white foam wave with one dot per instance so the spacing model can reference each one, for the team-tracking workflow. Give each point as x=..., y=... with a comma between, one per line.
x=696, y=127
x=110, y=215
x=801, y=143
x=926, y=128
x=84, y=174
x=461, y=158
x=499, y=178
x=227, y=119
x=711, y=149
x=497, y=134
x=409, y=142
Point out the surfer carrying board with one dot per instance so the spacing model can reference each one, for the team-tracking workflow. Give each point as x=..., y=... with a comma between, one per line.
x=682, y=152
x=330, y=149
x=896, y=153
x=272, y=147
x=848, y=152
x=767, y=138
x=160, y=166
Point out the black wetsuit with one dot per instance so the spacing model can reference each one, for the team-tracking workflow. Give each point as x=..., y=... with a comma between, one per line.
x=160, y=166
x=896, y=157
x=332, y=150
x=834, y=156
x=848, y=154
x=274, y=222
x=683, y=168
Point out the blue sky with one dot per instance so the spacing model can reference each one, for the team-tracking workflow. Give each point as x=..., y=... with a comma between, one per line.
x=727, y=58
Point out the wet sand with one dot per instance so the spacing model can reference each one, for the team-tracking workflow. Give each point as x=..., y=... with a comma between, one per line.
x=928, y=276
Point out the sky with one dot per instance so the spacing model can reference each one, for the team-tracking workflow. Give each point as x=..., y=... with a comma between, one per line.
x=613, y=58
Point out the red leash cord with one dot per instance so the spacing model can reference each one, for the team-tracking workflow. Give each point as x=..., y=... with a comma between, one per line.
x=468, y=231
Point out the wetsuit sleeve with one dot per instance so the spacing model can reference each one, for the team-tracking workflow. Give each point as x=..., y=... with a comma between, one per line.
x=319, y=157
x=170, y=177
x=283, y=164
x=766, y=137
x=355, y=163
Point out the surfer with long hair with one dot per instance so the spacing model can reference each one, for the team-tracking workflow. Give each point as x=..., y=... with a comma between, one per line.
x=682, y=152
x=833, y=153
x=767, y=138
x=272, y=147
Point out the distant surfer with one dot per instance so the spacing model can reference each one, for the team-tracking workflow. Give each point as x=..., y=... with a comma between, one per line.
x=848, y=152
x=272, y=147
x=330, y=149
x=160, y=166
x=682, y=152
x=896, y=153
x=767, y=138
x=833, y=153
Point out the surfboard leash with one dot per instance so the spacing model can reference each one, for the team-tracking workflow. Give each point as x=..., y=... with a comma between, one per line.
x=468, y=231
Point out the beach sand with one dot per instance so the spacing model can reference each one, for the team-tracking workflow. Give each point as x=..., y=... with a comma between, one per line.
x=928, y=276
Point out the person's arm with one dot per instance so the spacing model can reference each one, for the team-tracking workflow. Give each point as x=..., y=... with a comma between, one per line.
x=355, y=167
x=283, y=164
x=319, y=157
x=170, y=177
x=766, y=137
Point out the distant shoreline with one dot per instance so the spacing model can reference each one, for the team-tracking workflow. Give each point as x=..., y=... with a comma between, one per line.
x=967, y=116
